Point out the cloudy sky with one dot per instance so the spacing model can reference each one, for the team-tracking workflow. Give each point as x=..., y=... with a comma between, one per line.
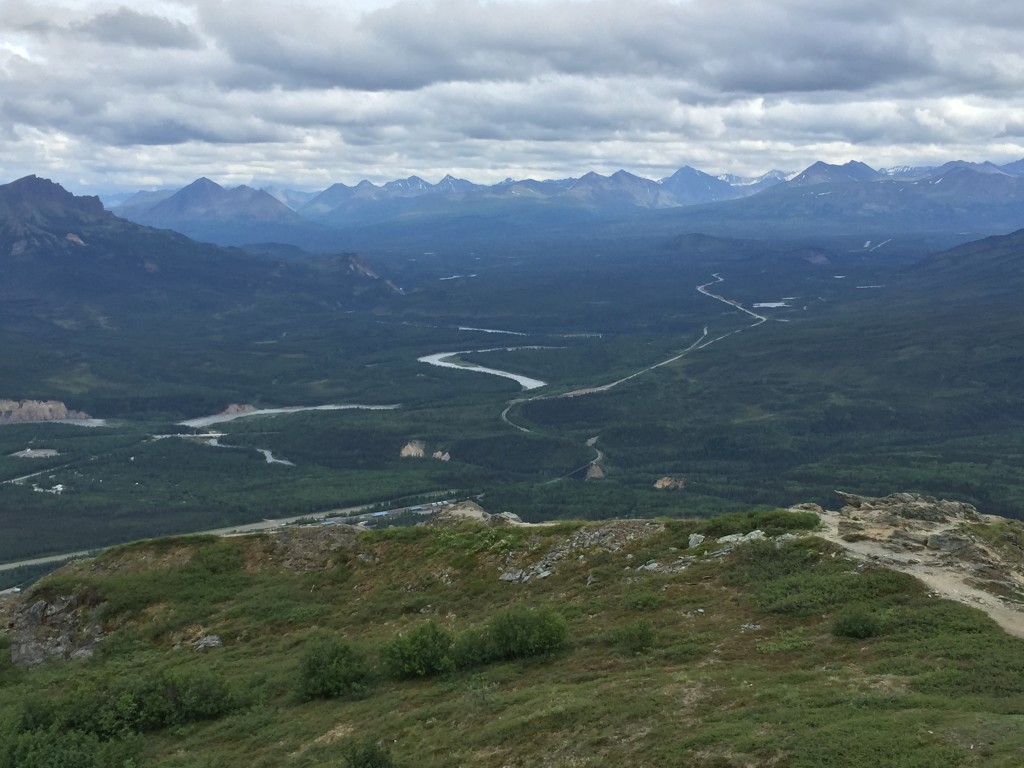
x=102, y=96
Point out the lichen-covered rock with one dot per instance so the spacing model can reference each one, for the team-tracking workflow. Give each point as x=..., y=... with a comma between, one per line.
x=207, y=642
x=741, y=538
x=609, y=537
x=60, y=627
x=911, y=506
x=948, y=541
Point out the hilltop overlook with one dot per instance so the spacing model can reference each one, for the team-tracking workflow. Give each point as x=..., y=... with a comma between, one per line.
x=761, y=638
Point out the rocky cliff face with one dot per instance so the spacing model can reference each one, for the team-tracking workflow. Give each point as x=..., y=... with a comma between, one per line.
x=59, y=627
x=19, y=411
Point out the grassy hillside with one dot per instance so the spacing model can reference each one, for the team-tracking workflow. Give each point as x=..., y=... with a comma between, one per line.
x=405, y=647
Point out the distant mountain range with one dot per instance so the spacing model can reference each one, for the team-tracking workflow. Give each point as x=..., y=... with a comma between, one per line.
x=979, y=198
x=57, y=250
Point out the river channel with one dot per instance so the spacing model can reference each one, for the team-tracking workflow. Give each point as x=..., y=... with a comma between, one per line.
x=220, y=418
x=441, y=360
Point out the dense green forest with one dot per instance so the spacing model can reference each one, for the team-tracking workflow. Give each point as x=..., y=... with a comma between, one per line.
x=866, y=374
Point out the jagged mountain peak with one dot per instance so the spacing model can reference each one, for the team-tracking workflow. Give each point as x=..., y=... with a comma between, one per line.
x=684, y=171
x=452, y=184
x=963, y=165
x=204, y=183
x=410, y=184
x=690, y=186
x=828, y=173
x=34, y=194
x=205, y=198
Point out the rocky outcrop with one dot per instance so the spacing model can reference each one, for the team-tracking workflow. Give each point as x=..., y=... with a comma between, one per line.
x=741, y=538
x=669, y=483
x=57, y=627
x=907, y=522
x=909, y=506
x=959, y=553
x=608, y=537
x=414, y=449
x=417, y=449
x=238, y=408
x=21, y=411
x=594, y=472
x=470, y=510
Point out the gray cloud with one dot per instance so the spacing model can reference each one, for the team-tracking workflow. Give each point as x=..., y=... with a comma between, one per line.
x=127, y=27
x=322, y=92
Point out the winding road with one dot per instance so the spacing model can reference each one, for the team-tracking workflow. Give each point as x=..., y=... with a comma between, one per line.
x=701, y=343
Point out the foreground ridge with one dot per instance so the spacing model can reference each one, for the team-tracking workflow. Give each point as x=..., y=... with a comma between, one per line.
x=748, y=639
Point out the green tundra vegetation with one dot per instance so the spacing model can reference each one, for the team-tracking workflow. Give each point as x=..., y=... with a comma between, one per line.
x=403, y=647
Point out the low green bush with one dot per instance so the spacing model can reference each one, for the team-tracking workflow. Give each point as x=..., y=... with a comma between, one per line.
x=366, y=754
x=634, y=638
x=773, y=522
x=646, y=601
x=332, y=668
x=822, y=591
x=472, y=648
x=761, y=561
x=421, y=652
x=521, y=633
x=858, y=623
x=69, y=749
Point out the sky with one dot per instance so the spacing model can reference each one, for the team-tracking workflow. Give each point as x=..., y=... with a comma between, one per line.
x=101, y=96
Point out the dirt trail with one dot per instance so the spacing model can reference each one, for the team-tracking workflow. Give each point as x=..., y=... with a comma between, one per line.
x=943, y=578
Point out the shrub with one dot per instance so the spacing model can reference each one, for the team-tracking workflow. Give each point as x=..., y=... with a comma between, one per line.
x=773, y=522
x=71, y=749
x=821, y=590
x=331, y=668
x=634, y=638
x=646, y=601
x=164, y=699
x=216, y=558
x=156, y=701
x=858, y=623
x=521, y=633
x=472, y=648
x=421, y=652
x=366, y=754
x=760, y=561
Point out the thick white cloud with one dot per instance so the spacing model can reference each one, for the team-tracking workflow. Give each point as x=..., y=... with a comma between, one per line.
x=97, y=95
